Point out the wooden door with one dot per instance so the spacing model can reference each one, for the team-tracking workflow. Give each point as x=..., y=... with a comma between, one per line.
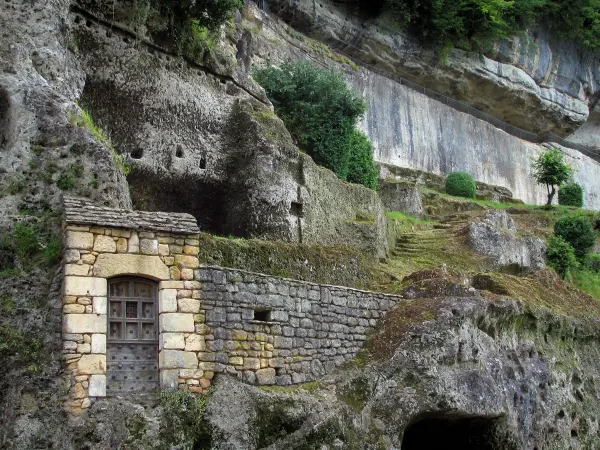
x=132, y=339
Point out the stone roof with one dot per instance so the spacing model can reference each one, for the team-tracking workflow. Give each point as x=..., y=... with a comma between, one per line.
x=82, y=211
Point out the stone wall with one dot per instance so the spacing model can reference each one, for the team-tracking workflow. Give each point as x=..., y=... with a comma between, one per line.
x=92, y=256
x=309, y=328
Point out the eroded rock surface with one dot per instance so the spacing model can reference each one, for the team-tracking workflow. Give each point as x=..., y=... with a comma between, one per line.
x=496, y=237
x=548, y=83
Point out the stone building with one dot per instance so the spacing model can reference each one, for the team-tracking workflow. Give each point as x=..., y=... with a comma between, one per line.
x=140, y=312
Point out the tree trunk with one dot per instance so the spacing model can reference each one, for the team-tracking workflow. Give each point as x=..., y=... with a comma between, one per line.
x=550, y=196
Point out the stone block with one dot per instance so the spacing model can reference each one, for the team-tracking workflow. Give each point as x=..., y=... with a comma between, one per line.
x=73, y=308
x=169, y=379
x=187, y=274
x=99, y=343
x=176, y=322
x=105, y=244
x=109, y=265
x=167, y=300
x=84, y=348
x=122, y=245
x=265, y=376
x=195, y=343
x=175, y=341
x=79, y=240
x=84, y=323
x=177, y=359
x=149, y=246
x=279, y=316
x=91, y=365
x=71, y=256
x=188, y=305
x=251, y=363
x=163, y=249
x=133, y=245
x=100, y=305
x=191, y=250
x=171, y=284
x=187, y=262
x=79, y=270
x=88, y=286
x=97, y=387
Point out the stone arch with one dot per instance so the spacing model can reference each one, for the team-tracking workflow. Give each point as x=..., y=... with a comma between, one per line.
x=4, y=119
x=444, y=431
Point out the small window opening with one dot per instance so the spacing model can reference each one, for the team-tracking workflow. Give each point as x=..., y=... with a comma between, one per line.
x=203, y=162
x=262, y=315
x=296, y=209
x=179, y=152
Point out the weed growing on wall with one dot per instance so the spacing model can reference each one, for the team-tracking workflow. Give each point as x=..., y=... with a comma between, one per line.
x=85, y=120
x=320, y=111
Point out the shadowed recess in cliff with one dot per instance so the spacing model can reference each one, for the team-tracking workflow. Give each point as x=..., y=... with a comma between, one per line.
x=441, y=432
x=4, y=119
x=204, y=199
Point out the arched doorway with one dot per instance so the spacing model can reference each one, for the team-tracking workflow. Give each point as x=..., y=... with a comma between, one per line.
x=132, y=336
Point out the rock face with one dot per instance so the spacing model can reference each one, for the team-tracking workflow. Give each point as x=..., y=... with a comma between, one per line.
x=409, y=129
x=549, y=84
x=496, y=238
x=209, y=144
x=401, y=196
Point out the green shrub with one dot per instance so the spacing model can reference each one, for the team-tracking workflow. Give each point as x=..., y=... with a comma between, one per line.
x=183, y=420
x=25, y=239
x=361, y=168
x=461, y=184
x=577, y=231
x=571, y=195
x=473, y=24
x=318, y=108
x=67, y=178
x=560, y=255
x=592, y=262
x=210, y=14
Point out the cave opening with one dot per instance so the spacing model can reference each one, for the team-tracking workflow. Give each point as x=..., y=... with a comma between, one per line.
x=4, y=119
x=441, y=432
x=202, y=198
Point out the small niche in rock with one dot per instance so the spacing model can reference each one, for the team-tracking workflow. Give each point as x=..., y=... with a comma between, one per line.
x=4, y=119
x=137, y=153
x=296, y=209
x=179, y=152
x=262, y=315
x=443, y=431
x=203, y=162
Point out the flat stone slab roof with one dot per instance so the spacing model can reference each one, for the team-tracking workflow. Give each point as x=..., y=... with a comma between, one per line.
x=82, y=211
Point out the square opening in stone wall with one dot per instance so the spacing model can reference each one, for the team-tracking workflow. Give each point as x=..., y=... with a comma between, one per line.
x=262, y=315
x=296, y=209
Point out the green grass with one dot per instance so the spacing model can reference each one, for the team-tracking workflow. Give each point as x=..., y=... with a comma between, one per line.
x=588, y=281
x=85, y=120
x=406, y=223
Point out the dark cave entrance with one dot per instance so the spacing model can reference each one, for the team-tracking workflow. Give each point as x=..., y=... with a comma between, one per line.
x=442, y=432
x=4, y=119
x=203, y=199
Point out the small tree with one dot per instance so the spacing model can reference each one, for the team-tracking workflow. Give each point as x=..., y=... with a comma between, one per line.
x=551, y=170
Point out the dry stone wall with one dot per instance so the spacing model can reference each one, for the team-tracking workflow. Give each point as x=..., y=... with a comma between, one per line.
x=271, y=330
